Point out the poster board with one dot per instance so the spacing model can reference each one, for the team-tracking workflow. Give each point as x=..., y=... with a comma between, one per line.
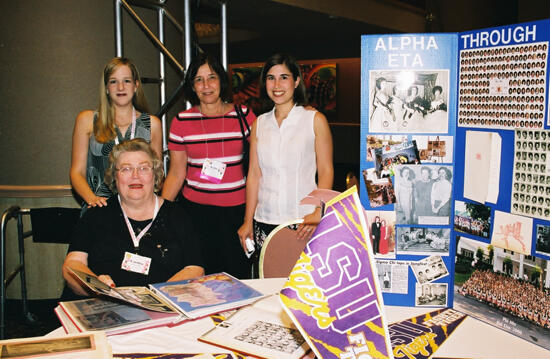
x=497, y=145
x=408, y=94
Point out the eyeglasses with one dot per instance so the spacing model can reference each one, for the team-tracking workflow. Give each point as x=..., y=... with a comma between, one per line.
x=141, y=170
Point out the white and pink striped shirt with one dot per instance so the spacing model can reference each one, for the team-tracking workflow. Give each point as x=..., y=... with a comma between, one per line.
x=216, y=138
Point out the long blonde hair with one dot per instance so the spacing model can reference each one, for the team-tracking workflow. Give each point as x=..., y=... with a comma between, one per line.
x=104, y=126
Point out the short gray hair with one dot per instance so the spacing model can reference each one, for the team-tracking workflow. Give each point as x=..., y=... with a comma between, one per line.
x=134, y=145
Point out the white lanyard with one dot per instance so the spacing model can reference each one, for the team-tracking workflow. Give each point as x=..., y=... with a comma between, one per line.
x=133, y=130
x=144, y=230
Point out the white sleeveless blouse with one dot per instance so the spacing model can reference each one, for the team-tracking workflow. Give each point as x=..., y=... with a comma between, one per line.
x=288, y=163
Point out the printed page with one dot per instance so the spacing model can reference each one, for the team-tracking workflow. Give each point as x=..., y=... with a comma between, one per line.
x=494, y=169
x=477, y=162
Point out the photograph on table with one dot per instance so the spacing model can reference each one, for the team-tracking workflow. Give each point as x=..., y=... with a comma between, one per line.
x=379, y=190
x=409, y=101
x=431, y=294
x=382, y=232
x=386, y=158
x=473, y=218
x=531, y=178
x=503, y=87
x=512, y=232
x=434, y=149
x=543, y=240
x=397, y=274
x=379, y=141
x=423, y=194
x=422, y=240
x=86, y=345
x=503, y=288
x=429, y=269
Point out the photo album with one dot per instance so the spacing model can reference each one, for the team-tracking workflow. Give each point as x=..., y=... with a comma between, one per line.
x=455, y=143
x=191, y=298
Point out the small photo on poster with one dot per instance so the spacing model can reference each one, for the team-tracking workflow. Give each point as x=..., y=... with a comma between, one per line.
x=531, y=177
x=473, y=218
x=382, y=233
x=423, y=194
x=409, y=101
x=384, y=275
x=393, y=276
x=379, y=141
x=434, y=149
x=429, y=269
x=543, y=240
x=503, y=288
x=431, y=295
x=389, y=156
x=422, y=240
x=512, y=232
x=379, y=190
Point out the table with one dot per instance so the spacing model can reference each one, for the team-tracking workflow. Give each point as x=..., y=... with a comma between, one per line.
x=472, y=338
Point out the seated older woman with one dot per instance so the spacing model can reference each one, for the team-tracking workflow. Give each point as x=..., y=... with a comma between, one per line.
x=139, y=238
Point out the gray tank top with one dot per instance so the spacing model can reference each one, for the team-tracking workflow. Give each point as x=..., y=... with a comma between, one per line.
x=98, y=154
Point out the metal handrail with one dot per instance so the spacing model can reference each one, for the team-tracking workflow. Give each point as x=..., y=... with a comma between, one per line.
x=150, y=34
x=158, y=42
x=10, y=213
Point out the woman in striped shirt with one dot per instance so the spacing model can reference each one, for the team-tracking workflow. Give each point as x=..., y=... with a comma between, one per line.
x=206, y=152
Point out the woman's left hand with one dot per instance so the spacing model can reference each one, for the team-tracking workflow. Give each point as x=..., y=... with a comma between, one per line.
x=306, y=228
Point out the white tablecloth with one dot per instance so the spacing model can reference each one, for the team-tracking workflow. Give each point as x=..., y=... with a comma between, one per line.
x=472, y=338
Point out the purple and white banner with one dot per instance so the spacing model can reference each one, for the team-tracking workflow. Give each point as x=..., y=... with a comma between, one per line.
x=332, y=294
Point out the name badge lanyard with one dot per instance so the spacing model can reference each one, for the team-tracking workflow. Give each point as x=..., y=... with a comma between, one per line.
x=133, y=130
x=206, y=137
x=136, y=239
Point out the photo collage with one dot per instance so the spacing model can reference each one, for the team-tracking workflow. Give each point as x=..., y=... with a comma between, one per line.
x=503, y=87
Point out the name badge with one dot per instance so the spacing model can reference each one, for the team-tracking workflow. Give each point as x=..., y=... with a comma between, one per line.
x=135, y=263
x=213, y=170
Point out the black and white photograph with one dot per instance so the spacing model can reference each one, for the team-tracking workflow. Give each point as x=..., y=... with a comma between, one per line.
x=386, y=158
x=379, y=190
x=531, y=178
x=431, y=295
x=423, y=194
x=434, y=149
x=503, y=87
x=429, y=269
x=384, y=275
x=473, y=218
x=409, y=101
x=272, y=336
x=503, y=288
x=422, y=240
x=543, y=240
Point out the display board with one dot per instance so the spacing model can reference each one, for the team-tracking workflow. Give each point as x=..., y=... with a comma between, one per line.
x=467, y=110
x=408, y=116
x=473, y=107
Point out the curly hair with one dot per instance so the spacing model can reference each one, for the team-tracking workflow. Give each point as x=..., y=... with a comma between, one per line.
x=135, y=145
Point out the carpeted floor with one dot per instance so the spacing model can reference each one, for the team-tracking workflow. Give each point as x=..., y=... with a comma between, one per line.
x=42, y=311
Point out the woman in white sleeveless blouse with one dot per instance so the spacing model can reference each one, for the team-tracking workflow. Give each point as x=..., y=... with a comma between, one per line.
x=289, y=146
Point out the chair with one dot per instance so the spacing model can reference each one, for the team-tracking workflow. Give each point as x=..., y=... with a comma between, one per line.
x=51, y=225
x=351, y=180
x=280, y=251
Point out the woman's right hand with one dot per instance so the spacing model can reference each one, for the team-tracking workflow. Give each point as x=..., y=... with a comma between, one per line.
x=105, y=278
x=244, y=232
x=97, y=201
